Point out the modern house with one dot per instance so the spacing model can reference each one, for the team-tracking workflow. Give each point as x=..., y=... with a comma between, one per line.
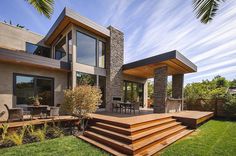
x=77, y=50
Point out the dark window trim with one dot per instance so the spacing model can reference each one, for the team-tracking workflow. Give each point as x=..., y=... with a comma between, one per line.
x=34, y=76
x=105, y=56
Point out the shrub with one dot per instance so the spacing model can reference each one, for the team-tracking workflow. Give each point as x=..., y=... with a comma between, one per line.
x=4, y=131
x=230, y=106
x=17, y=137
x=40, y=134
x=81, y=102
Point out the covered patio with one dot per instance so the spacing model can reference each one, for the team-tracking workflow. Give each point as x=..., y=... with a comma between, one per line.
x=160, y=67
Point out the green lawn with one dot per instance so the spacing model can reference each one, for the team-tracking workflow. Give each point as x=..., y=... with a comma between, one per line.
x=215, y=138
x=65, y=146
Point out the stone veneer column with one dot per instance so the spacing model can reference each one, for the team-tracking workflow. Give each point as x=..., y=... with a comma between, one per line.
x=114, y=63
x=160, y=85
x=177, y=86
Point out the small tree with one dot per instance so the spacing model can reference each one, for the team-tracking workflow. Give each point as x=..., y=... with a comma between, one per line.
x=81, y=102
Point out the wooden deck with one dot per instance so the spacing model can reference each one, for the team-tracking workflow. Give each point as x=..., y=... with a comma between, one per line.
x=141, y=134
x=188, y=118
x=17, y=124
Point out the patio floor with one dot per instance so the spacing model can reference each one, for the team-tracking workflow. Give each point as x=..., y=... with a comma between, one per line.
x=188, y=118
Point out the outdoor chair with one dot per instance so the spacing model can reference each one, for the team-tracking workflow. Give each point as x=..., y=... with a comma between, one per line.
x=55, y=111
x=135, y=107
x=14, y=114
x=116, y=106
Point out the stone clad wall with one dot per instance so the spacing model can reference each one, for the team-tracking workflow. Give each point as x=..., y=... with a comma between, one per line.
x=160, y=86
x=114, y=63
x=177, y=85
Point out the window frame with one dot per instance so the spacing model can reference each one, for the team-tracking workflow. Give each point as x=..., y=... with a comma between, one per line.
x=35, y=77
x=97, y=38
x=35, y=44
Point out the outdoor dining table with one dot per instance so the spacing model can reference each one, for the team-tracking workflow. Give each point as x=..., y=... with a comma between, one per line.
x=37, y=110
x=126, y=105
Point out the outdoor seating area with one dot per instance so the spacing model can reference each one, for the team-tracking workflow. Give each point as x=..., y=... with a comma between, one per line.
x=28, y=112
x=125, y=107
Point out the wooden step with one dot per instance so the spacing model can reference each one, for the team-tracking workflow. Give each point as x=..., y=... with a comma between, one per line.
x=99, y=145
x=124, y=131
x=154, y=131
x=111, y=134
x=151, y=125
x=143, y=123
x=142, y=143
x=114, y=144
x=159, y=146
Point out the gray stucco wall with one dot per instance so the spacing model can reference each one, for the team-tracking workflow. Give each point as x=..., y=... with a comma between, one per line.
x=114, y=62
x=15, y=38
x=6, y=81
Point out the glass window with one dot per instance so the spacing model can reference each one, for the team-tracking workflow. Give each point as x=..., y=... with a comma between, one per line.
x=44, y=88
x=86, y=49
x=29, y=86
x=102, y=86
x=60, y=49
x=24, y=88
x=83, y=78
x=70, y=46
x=38, y=50
x=133, y=92
x=101, y=54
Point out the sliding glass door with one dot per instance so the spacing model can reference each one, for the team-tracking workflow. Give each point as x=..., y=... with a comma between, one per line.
x=133, y=92
x=26, y=86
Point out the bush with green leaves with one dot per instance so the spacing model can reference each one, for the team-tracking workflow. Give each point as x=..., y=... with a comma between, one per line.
x=230, y=106
x=81, y=102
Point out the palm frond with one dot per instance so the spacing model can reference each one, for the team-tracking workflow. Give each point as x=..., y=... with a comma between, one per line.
x=45, y=7
x=206, y=9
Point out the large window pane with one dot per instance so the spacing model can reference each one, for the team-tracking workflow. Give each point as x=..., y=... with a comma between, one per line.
x=86, y=49
x=70, y=46
x=60, y=50
x=133, y=92
x=83, y=78
x=29, y=86
x=44, y=89
x=38, y=50
x=101, y=54
x=24, y=88
x=102, y=86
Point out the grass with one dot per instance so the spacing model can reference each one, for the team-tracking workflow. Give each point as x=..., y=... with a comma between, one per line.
x=215, y=138
x=66, y=146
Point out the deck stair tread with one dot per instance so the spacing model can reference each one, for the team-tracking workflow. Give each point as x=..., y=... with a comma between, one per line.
x=157, y=137
x=108, y=140
x=158, y=147
x=152, y=124
x=154, y=130
x=122, y=130
x=102, y=146
x=108, y=133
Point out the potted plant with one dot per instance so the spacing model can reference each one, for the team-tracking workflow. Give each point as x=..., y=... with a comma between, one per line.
x=35, y=100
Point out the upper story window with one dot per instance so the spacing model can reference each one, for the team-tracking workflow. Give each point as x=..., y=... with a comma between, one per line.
x=101, y=54
x=90, y=50
x=60, y=49
x=38, y=50
x=86, y=49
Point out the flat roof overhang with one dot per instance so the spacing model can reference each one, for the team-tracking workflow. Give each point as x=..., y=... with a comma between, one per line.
x=175, y=61
x=21, y=57
x=68, y=16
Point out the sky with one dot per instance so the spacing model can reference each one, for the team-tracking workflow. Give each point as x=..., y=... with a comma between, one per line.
x=151, y=27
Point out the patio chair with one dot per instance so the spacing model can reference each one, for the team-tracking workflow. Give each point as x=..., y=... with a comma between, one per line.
x=14, y=114
x=55, y=111
x=135, y=107
x=116, y=106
